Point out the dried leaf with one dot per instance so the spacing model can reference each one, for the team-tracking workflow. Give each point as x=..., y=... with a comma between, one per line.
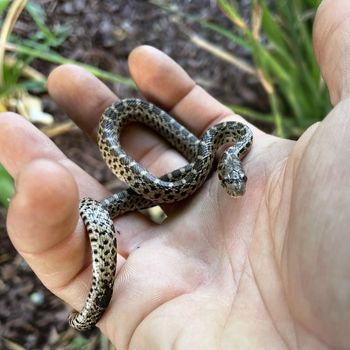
x=30, y=107
x=59, y=129
x=221, y=53
x=256, y=21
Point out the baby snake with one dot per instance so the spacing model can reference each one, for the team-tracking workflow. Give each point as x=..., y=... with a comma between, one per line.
x=147, y=190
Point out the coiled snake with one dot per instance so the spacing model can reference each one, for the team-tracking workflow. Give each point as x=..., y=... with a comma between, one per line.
x=147, y=190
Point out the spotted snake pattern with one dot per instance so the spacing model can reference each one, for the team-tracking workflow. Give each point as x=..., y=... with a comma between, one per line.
x=146, y=190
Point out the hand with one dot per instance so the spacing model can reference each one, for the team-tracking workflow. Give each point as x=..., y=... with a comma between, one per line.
x=269, y=270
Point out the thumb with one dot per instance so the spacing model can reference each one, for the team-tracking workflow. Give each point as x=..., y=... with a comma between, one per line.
x=332, y=45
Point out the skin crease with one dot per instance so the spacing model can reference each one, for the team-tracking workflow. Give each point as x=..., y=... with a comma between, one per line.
x=270, y=270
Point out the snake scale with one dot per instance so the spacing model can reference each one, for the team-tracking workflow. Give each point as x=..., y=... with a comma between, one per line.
x=146, y=190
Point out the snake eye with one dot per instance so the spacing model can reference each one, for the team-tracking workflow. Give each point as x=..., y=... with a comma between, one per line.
x=244, y=178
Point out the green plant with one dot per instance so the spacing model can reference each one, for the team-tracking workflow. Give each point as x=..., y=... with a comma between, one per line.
x=278, y=37
x=6, y=187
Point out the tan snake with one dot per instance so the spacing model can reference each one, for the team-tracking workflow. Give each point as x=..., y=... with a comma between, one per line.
x=147, y=190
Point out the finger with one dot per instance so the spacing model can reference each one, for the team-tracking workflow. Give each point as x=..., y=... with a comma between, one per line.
x=80, y=95
x=42, y=218
x=31, y=215
x=165, y=83
x=42, y=224
x=21, y=142
x=331, y=43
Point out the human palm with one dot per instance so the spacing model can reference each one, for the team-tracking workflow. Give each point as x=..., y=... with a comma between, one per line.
x=267, y=270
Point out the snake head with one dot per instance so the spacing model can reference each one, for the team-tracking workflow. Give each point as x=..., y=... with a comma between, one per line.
x=231, y=174
x=234, y=182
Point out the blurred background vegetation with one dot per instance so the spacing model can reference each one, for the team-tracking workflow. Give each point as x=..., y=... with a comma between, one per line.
x=275, y=38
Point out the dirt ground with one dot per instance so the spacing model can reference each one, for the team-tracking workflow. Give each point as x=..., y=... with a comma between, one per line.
x=103, y=34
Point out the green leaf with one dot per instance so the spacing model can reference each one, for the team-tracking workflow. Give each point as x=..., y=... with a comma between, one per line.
x=235, y=38
x=231, y=11
x=6, y=187
x=11, y=77
x=271, y=29
x=3, y=5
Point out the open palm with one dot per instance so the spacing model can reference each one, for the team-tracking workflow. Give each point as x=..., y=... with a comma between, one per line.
x=268, y=270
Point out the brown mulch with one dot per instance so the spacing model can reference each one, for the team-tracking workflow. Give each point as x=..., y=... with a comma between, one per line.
x=103, y=34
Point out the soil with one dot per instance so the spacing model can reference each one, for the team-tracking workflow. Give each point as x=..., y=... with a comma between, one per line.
x=103, y=34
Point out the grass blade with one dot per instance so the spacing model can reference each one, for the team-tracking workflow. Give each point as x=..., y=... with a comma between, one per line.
x=53, y=57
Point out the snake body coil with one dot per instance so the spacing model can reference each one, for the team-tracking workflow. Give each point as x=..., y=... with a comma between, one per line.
x=147, y=190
